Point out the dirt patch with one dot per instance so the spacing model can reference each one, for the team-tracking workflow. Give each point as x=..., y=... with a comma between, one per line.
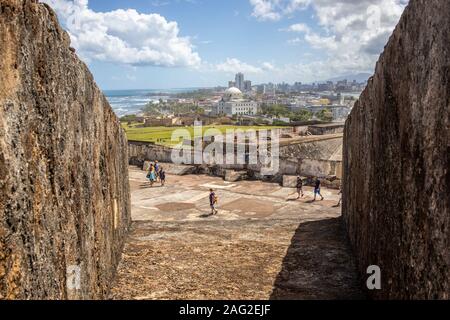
x=175, y=206
x=250, y=207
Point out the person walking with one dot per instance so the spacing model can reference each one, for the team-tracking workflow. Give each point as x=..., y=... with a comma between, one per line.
x=213, y=201
x=317, y=189
x=299, y=187
x=162, y=176
x=151, y=175
x=157, y=168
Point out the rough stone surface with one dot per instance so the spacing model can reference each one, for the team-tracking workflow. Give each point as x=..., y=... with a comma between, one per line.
x=64, y=191
x=396, y=201
x=290, y=181
x=233, y=176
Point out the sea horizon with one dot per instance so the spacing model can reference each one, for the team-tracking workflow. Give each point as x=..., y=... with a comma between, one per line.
x=131, y=101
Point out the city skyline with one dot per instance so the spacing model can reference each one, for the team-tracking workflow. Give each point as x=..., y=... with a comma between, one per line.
x=183, y=43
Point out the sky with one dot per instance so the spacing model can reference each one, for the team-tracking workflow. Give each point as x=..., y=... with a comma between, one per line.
x=162, y=44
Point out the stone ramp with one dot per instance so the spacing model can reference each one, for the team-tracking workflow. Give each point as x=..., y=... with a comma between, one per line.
x=263, y=244
x=262, y=259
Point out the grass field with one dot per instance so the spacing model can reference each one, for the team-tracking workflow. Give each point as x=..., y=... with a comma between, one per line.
x=163, y=135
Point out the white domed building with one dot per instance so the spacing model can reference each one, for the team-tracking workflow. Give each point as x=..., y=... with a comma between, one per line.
x=233, y=103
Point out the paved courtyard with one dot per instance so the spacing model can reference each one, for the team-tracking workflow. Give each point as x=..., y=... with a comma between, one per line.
x=263, y=244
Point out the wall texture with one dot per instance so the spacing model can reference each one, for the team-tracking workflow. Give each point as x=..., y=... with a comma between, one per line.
x=396, y=201
x=64, y=192
x=322, y=157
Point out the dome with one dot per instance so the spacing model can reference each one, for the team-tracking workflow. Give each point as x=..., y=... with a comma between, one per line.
x=233, y=90
x=232, y=94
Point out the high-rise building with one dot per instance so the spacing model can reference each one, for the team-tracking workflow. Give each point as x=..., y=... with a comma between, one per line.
x=231, y=84
x=239, y=81
x=247, y=86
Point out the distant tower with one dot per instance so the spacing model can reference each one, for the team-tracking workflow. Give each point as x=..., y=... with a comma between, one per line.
x=239, y=81
x=231, y=84
x=247, y=86
x=341, y=99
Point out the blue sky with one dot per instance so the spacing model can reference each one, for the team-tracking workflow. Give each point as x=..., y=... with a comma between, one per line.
x=161, y=44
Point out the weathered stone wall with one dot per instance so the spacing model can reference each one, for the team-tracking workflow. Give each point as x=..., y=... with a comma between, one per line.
x=64, y=191
x=138, y=152
x=308, y=158
x=396, y=202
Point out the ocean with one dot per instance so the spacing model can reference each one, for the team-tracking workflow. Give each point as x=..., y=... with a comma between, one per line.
x=126, y=102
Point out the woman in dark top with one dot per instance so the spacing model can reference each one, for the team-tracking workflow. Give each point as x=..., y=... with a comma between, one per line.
x=317, y=189
x=162, y=176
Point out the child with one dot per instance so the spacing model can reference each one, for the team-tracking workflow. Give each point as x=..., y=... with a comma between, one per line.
x=299, y=187
x=213, y=201
x=162, y=176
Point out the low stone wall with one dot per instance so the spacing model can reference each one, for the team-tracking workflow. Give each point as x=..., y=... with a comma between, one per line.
x=321, y=168
x=314, y=158
x=138, y=152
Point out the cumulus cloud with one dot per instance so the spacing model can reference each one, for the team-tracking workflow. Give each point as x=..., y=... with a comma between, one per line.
x=265, y=10
x=124, y=36
x=352, y=33
x=233, y=65
x=298, y=27
x=267, y=66
x=274, y=10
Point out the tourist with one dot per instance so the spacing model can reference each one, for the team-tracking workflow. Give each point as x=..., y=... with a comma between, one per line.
x=299, y=187
x=157, y=169
x=162, y=176
x=151, y=175
x=317, y=189
x=213, y=201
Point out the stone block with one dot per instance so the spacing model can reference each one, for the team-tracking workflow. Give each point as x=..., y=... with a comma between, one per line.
x=233, y=176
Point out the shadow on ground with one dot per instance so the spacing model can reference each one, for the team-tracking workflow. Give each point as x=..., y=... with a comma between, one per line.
x=318, y=265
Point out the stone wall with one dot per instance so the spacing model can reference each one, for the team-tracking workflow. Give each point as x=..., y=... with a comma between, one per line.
x=64, y=191
x=396, y=201
x=321, y=157
x=138, y=152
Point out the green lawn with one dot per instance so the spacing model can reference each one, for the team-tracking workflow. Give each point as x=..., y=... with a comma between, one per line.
x=163, y=135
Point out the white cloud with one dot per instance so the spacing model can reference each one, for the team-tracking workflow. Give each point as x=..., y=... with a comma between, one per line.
x=124, y=36
x=265, y=10
x=351, y=33
x=267, y=66
x=233, y=65
x=298, y=27
x=274, y=10
x=295, y=41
